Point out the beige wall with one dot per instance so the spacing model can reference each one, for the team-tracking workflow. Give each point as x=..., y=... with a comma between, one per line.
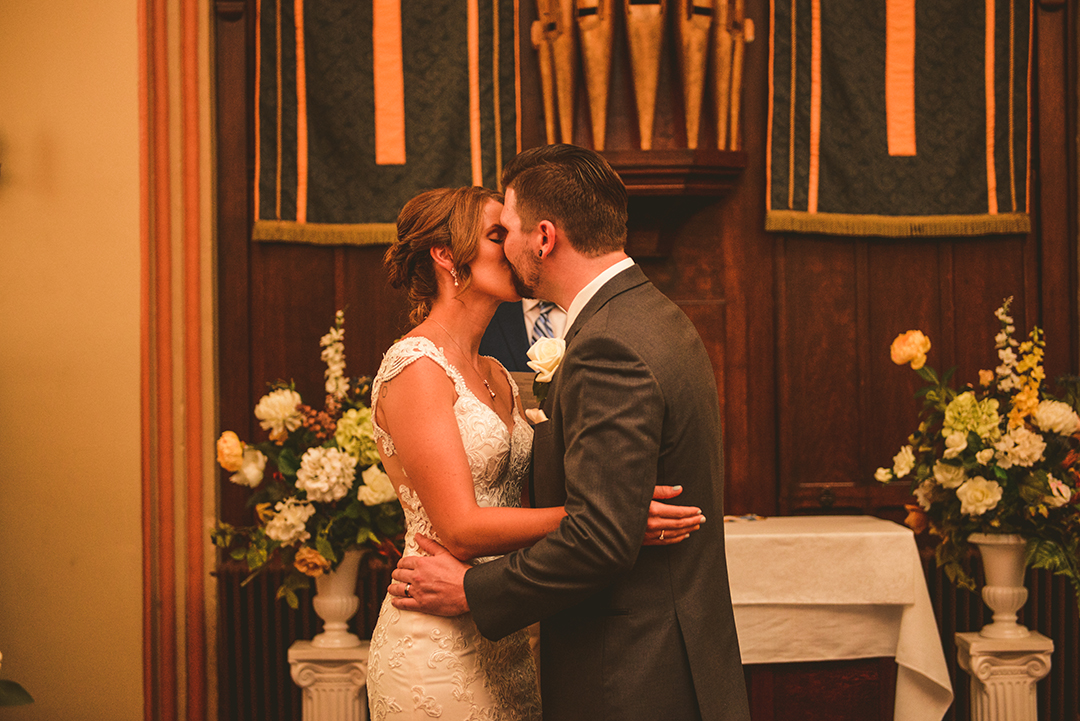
x=70, y=542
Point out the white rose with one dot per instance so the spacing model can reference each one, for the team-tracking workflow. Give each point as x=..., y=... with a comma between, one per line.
x=883, y=475
x=288, y=524
x=1056, y=417
x=948, y=475
x=251, y=469
x=903, y=462
x=377, y=487
x=1060, y=493
x=985, y=456
x=978, y=495
x=955, y=444
x=326, y=474
x=277, y=412
x=545, y=356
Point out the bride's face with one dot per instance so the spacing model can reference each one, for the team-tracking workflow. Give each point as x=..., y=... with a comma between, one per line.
x=491, y=272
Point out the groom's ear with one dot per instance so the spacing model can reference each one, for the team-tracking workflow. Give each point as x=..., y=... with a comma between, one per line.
x=549, y=236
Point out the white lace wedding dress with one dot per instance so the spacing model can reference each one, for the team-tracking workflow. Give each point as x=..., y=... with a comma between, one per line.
x=425, y=667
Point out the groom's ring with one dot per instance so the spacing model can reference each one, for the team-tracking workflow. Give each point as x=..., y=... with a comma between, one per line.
x=661, y=538
x=408, y=586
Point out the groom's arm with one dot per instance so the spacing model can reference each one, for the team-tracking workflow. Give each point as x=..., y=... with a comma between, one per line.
x=612, y=413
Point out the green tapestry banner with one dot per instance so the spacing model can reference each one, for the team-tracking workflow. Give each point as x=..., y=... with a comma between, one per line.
x=899, y=118
x=362, y=104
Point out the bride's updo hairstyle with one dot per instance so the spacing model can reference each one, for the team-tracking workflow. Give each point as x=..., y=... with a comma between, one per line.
x=445, y=217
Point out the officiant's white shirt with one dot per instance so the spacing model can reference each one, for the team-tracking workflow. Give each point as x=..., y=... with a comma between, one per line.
x=585, y=294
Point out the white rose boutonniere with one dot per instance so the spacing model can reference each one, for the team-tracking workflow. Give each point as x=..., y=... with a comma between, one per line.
x=545, y=355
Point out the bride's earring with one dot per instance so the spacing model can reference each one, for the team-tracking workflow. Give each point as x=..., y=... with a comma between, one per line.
x=453, y=274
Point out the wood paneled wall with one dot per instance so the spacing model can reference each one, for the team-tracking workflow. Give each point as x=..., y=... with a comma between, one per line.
x=798, y=327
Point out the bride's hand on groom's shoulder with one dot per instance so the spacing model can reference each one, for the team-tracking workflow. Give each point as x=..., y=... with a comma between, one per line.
x=430, y=584
x=670, y=524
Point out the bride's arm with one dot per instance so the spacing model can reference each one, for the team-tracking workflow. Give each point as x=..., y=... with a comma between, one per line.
x=417, y=409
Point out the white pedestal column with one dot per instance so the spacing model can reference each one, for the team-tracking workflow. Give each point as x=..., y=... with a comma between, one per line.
x=334, y=681
x=1003, y=674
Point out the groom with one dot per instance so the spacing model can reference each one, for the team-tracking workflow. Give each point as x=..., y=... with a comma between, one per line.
x=626, y=632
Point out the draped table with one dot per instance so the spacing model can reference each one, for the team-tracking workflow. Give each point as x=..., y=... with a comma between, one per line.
x=821, y=588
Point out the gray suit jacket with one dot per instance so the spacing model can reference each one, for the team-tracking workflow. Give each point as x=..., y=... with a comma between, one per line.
x=627, y=632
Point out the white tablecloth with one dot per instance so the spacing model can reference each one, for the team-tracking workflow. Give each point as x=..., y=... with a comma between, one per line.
x=818, y=588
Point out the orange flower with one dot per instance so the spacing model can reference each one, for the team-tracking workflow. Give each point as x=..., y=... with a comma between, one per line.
x=917, y=519
x=310, y=562
x=910, y=347
x=230, y=451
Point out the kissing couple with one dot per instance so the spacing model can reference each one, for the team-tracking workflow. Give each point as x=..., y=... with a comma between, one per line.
x=631, y=594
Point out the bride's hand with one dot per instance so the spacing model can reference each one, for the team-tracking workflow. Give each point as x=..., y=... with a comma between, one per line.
x=670, y=524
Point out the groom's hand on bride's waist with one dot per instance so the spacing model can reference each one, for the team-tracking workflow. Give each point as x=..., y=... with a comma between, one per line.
x=430, y=584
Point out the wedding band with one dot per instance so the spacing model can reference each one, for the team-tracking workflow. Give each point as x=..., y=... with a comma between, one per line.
x=661, y=535
x=408, y=587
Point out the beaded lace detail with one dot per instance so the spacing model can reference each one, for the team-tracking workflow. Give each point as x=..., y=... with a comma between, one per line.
x=423, y=667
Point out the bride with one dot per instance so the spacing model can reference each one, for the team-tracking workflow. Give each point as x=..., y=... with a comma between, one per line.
x=454, y=441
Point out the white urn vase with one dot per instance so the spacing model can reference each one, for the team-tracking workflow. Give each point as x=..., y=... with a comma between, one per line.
x=1004, y=592
x=335, y=602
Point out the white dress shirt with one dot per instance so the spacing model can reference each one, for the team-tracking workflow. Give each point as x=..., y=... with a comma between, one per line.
x=585, y=294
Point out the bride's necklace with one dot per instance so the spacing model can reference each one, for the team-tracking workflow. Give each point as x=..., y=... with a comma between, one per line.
x=466, y=357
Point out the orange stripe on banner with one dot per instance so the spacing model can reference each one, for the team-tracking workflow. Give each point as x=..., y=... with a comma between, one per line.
x=195, y=628
x=388, y=68
x=791, y=110
x=815, y=106
x=474, y=93
x=258, y=124
x=900, y=76
x=991, y=110
x=517, y=77
x=280, y=102
x=301, y=117
x=145, y=362
x=1012, y=104
x=1030, y=67
x=769, y=125
x=496, y=90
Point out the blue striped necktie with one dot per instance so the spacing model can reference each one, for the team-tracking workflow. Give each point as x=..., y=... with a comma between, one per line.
x=542, y=327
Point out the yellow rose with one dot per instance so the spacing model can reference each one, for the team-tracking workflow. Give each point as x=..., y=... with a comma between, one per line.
x=545, y=356
x=230, y=451
x=310, y=562
x=910, y=347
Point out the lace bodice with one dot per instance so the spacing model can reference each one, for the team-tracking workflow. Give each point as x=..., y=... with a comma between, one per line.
x=498, y=456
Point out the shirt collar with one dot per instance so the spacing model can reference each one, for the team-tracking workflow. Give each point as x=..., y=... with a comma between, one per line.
x=585, y=294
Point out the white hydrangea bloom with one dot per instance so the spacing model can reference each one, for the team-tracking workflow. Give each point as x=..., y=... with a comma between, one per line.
x=277, y=412
x=326, y=474
x=978, y=495
x=1056, y=417
x=948, y=475
x=377, y=487
x=288, y=524
x=251, y=470
x=1019, y=447
x=924, y=493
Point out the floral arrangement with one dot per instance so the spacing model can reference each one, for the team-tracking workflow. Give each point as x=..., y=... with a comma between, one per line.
x=311, y=508
x=1003, y=457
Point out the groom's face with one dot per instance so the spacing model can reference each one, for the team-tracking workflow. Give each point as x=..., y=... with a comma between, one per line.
x=520, y=249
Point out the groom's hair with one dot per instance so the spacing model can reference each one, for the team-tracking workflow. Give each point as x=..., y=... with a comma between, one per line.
x=574, y=188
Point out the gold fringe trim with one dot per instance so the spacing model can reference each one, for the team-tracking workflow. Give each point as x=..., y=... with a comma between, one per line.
x=288, y=231
x=896, y=226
